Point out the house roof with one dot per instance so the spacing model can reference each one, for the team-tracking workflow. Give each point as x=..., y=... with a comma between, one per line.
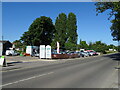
x=5, y=41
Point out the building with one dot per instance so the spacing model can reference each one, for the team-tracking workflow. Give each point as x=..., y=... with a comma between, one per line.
x=6, y=45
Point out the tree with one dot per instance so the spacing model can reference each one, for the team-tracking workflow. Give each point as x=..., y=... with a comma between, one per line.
x=99, y=46
x=115, y=28
x=18, y=44
x=72, y=28
x=115, y=11
x=41, y=31
x=111, y=46
x=60, y=27
x=90, y=45
x=70, y=46
x=83, y=44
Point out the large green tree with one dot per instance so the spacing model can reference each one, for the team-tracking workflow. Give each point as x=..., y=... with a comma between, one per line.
x=114, y=8
x=40, y=32
x=72, y=28
x=60, y=27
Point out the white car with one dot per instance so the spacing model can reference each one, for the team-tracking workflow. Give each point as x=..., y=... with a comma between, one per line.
x=85, y=54
x=11, y=52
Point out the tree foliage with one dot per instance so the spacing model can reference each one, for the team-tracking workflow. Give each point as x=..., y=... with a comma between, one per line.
x=99, y=46
x=18, y=44
x=90, y=45
x=70, y=46
x=66, y=31
x=72, y=28
x=40, y=32
x=114, y=8
x=83, y=44
x=60, y=27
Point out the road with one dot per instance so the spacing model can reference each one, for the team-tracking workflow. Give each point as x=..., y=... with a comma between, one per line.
x=92, y=72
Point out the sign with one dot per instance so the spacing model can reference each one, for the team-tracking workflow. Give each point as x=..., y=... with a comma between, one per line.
x=29, y=50
x=58, y=46
x=42, y=51
x=48, y=51
x=1, y=48
x=2, y=60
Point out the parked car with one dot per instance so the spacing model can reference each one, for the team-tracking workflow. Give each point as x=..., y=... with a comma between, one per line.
x=85, y=54
x=11, y=53
x=36, y=55
x=92, y=53
x=89, y=54
x=80, y=54
x=95, y=53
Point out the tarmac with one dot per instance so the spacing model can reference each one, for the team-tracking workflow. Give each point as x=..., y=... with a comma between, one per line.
x=20, y=62
x=17, y=62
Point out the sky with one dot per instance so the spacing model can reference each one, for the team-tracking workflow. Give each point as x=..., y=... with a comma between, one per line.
x=18, y=16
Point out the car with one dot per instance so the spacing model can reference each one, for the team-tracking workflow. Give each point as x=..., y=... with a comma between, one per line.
x=92, y=53
x=85, y=54
x=36, y=55
x=89, y=54
x=11, y=53
x=80, y=54
x=95, y=53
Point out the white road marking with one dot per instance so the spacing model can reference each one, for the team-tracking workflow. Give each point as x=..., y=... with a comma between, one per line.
x=26, y=79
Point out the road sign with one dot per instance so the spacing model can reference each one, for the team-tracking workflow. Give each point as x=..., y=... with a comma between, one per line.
x=58, y=46
x=42, y=51
x=48, y=51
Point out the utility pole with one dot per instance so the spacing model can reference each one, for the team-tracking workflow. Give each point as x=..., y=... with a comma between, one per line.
x=1, y=37
x=1, y=46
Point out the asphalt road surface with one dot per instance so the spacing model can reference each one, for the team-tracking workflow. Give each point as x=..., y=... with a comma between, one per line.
x=92, y=72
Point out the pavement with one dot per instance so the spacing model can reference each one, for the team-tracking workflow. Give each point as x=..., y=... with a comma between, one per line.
x=92, y=72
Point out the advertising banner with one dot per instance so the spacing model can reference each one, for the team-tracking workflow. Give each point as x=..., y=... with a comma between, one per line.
x=58, y=46
x=48, y=51
x=42, y=51
x=29, y=50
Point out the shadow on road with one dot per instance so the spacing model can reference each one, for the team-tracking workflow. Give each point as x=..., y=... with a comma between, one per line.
x=12, y=63
x=115, y=56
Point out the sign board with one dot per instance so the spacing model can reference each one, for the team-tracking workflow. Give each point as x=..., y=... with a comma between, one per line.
x=42, y=51
x=58, y=46
x=29, y=50
x=2, y=60
x=1, y=48
x=48, y=51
